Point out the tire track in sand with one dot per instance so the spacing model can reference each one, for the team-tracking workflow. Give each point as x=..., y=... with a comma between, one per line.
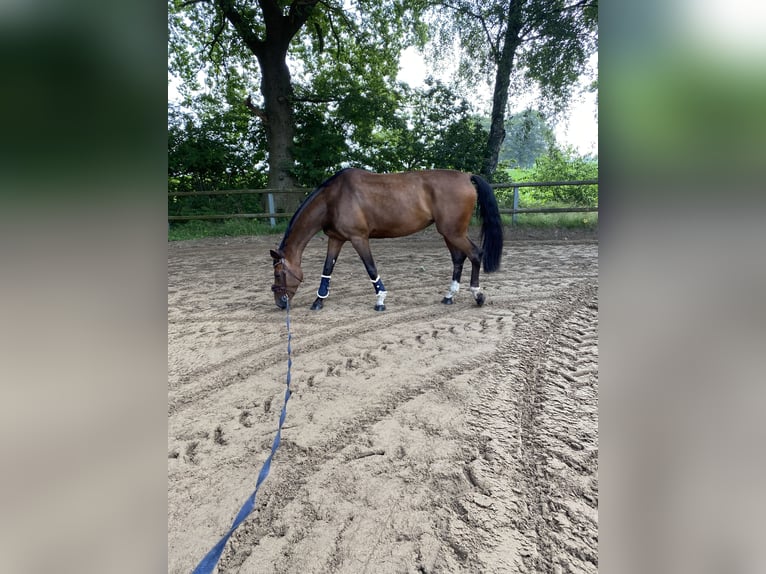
x=537, y=447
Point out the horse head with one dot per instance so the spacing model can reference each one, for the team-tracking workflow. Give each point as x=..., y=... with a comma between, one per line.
x=287, y=278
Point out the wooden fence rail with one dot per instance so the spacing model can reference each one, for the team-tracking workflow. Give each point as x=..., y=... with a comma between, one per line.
x=543, y=183
x=240, y=192
x=514, y=185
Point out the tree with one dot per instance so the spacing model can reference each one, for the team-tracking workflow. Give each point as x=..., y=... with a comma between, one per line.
x=218, y=145
x=223, y=31
x=401, y=129
x=542, y=42
x=433, y=128
x=528, y=137
x=566, y=165
x=450, y=134
x=341, y=56
x=212, y=149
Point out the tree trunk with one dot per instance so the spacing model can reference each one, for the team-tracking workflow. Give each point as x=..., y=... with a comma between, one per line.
x=277, y=90
x=511, y=42
x=276, y=85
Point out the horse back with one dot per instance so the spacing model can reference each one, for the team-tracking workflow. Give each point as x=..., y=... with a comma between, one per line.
x=399, y=204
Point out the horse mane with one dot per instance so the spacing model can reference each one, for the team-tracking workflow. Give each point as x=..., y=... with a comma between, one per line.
x=309, y=198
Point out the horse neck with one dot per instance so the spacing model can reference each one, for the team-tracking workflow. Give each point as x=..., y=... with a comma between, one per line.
x=306, y=225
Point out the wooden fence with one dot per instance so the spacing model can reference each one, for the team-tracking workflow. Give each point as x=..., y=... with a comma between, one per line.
x=271, y=215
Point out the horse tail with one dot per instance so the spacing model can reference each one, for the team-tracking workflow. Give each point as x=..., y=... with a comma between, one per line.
x=491, y=225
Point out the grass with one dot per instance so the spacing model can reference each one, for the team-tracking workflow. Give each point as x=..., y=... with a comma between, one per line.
x=519, y=173
x=575, y=220
x=195, y=229
x=580, y=220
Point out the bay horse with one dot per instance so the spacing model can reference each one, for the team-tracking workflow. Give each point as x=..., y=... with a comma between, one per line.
x=355, y=204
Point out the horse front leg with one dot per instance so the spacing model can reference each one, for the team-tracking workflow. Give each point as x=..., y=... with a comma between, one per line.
x=362, y=246
x=333, y=250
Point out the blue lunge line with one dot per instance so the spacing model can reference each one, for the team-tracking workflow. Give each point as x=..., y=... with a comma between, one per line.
x=211, y=559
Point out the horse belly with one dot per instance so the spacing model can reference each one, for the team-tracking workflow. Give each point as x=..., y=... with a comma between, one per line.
x=396, y=221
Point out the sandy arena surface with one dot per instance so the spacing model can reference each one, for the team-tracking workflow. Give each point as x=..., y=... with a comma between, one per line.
x=427, y=438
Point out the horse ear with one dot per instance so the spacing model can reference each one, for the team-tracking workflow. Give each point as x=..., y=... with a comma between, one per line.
x=276, y=254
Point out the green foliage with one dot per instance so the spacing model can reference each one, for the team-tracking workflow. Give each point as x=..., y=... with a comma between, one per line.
x=400, y=130
x=557, y=53
x=320, y=144
x=555, y=165
x=195, y=229
x=347, y=107
x=528, y=136
x=403, y=130
x=555, y=41
x=519, y=174
x=214, y=142
x=580, y=220
x=331, y=70
x=460, y=146
x=436, y=129
x=203, y=50
x=565, y=165
x=517, y=44
x=214, y=149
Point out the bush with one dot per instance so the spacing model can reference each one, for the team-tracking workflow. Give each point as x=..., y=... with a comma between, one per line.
x=565, y=165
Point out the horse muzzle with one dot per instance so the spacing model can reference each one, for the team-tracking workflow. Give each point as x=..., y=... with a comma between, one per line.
x=281, y=296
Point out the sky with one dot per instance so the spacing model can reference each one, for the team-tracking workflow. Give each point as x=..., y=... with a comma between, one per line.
x=579, y=128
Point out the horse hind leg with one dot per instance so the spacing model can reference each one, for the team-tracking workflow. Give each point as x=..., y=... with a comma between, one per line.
x=458, y=259
x=475, y=269
x=462, y=248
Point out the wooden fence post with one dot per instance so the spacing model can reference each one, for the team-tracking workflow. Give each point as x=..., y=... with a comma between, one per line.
x=271, y=210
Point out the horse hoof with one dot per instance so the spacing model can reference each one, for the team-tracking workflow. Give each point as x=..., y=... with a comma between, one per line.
x=317, y=305
x=380, y=307
x=480, y=299
x=448, y=301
